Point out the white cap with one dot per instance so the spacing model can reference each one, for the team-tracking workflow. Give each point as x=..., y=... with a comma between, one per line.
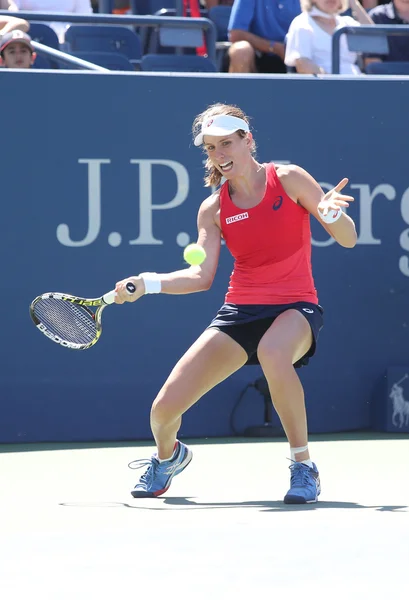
x=220, y=125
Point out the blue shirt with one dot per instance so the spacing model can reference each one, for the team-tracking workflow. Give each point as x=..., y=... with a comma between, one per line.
x=385, y=14
x=269, y=19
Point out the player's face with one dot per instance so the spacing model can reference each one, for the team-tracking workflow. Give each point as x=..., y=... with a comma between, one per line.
x=328, y=6
x=228, y=154
x=17, y=56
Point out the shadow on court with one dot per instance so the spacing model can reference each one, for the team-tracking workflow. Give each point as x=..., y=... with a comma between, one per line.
x=188, y=503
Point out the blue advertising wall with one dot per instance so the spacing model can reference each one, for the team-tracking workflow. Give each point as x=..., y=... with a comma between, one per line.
x=100, y=180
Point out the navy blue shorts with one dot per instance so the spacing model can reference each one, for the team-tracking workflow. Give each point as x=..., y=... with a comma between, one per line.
x=247, y=323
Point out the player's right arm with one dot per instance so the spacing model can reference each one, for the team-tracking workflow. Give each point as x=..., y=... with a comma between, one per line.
x=192, y=279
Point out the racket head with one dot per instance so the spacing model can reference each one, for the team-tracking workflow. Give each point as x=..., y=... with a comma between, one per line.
x=68, y=320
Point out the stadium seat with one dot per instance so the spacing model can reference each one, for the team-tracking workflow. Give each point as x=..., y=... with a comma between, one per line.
x=177, y=63
x=39, y=32
x=155, y=43
x=182, y=37
x=374, y=44
x=41, y=62
x=150, y=7
x=387, y=68
x=220, y=15
x=110, y=60
x=106, y=38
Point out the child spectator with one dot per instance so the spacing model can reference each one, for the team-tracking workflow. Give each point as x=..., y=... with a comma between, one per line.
x=16, y=51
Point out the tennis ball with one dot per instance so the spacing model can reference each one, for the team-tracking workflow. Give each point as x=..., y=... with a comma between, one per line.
x=194, y=254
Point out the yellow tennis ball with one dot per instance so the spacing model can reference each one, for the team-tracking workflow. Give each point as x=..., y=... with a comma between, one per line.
x=194, y=254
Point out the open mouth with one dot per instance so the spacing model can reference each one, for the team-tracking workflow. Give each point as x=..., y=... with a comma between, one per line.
x=227, y=166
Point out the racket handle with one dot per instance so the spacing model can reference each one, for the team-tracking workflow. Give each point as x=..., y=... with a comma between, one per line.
x=109, y=297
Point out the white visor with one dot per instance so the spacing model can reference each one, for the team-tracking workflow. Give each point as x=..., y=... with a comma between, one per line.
x=219, y=126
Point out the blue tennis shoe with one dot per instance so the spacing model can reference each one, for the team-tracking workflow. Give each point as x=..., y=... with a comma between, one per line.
x=305, y=484
x=158, y=476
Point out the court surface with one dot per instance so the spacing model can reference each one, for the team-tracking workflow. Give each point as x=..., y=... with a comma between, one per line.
x=71, y=530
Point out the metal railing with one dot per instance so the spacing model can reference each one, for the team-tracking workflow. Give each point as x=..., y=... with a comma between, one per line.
x=363, y=30
x=67, y=59
x=207, y=26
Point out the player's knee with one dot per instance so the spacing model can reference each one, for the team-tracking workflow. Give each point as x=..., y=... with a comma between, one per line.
x=273, y=360
x=241, y=55
x=164, y=411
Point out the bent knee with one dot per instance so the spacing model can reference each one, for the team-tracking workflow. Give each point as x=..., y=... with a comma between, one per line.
x=164, y=410
x=241, y=52
x=273, y=359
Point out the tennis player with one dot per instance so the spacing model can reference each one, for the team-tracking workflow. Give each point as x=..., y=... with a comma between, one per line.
x=271, y=314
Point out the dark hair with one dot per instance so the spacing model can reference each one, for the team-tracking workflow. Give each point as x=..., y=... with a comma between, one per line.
x=213, y=176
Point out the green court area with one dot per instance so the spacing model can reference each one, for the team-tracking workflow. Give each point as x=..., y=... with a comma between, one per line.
x=71, y=530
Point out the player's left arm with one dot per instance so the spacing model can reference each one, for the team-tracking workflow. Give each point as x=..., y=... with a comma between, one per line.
x=306, y=191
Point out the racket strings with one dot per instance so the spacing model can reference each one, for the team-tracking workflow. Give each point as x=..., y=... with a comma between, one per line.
x=68, y=321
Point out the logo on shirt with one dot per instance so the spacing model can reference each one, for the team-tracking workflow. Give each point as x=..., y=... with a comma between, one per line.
x=239, y=217
x=277, y=204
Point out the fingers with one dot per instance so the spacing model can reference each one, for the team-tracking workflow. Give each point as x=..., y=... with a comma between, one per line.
x=118, y=296
x=122, y=292
x=337, y=203
x=341, y=184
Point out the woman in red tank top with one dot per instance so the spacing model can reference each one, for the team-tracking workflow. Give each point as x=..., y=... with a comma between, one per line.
x=271, y=314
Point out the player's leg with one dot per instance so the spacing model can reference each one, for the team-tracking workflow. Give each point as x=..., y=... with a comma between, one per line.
x=210, y=360
x=287, y=340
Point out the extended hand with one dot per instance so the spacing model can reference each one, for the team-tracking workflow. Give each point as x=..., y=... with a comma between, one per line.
x=334, y=200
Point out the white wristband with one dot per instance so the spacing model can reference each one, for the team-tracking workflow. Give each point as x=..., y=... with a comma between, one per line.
x=152, y=282
x=332, y=216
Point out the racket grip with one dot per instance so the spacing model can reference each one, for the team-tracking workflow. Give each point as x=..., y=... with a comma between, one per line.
x=109, y=297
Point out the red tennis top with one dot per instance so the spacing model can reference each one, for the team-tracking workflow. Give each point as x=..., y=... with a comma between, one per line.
x=271, y=245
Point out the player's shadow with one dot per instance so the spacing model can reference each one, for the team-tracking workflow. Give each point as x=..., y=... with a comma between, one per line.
x=188, y=503
x=273, y=505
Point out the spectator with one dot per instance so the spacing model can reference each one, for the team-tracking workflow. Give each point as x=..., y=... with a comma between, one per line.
x=16, y=51
x=211, y=3
x=64, y=6
x=393, y=13
x=121, y=7
x=309, y=40
x=257, y=30
x=8, y=24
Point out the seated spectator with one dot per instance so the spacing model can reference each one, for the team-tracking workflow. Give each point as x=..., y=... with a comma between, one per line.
x=8, y=24
x=121, y=7
x=393, y=13
x=211, y=3
x=16, y=51
x=257, y=30
x=309, y=40
x=64, y=6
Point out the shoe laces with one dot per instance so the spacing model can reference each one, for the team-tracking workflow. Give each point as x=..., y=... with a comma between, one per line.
x=151, y=464
x=300, y=474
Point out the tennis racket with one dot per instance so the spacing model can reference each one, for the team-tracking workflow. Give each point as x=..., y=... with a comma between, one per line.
x=70, y=320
